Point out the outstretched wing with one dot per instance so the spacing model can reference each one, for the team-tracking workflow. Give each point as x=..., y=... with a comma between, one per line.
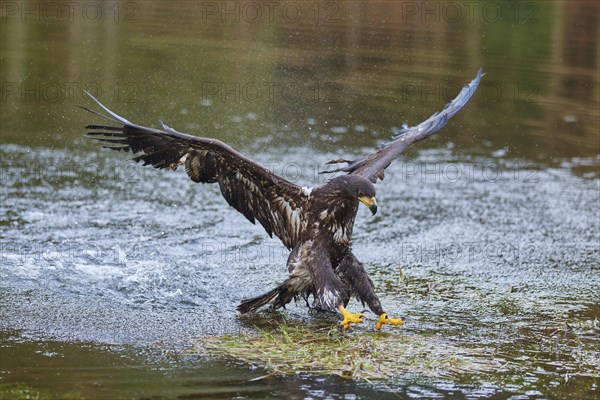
x=373, y=165
x=248, y=187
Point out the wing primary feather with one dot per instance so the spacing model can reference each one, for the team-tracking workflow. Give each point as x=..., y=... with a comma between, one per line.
x=112, y=114
x=111, y=140
x=97, y=113
x=104, y=128
x=106, y=134
x=251, y=189
x=373, y=165
x=167, y=128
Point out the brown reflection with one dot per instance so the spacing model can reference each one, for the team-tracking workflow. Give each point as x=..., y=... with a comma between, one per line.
x=203, y=66
x=571, y=122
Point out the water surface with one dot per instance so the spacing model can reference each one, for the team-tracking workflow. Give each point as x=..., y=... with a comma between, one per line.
x=487, y=235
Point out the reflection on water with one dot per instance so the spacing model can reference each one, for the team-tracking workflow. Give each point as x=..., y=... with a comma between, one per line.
x=89, y=371
x=487, y=234
x=343, y=65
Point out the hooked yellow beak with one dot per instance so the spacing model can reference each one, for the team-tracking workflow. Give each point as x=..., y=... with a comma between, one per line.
x=369, y=202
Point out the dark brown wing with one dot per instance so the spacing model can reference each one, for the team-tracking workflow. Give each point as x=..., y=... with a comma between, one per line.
x=373, y=165
x=248, y=187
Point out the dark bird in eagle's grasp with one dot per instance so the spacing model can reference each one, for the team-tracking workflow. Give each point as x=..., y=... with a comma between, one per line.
x=314, y=223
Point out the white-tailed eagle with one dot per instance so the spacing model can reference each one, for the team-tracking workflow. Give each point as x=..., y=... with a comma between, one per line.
x=315, y=224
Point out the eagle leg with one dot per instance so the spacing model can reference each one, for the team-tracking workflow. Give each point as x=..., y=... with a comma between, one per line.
x=353, y=273
x=383, y=319
x=349, y=317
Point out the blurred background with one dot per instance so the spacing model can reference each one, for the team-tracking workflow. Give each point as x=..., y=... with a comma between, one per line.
x=487, y=236
x=237, y=69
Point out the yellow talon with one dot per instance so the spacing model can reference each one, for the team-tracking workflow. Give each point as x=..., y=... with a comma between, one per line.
x=383, y=319
x=349, y=317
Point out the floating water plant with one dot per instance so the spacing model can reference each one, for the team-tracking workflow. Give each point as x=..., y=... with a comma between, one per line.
x=296, y=348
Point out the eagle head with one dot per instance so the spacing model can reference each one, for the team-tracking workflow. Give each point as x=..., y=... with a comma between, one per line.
x=355, y=187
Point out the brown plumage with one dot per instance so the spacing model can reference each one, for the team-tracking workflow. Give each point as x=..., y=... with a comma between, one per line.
x=315, y=224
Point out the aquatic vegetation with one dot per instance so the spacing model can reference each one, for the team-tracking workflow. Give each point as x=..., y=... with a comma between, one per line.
x=294, y=348
x=562, y=359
